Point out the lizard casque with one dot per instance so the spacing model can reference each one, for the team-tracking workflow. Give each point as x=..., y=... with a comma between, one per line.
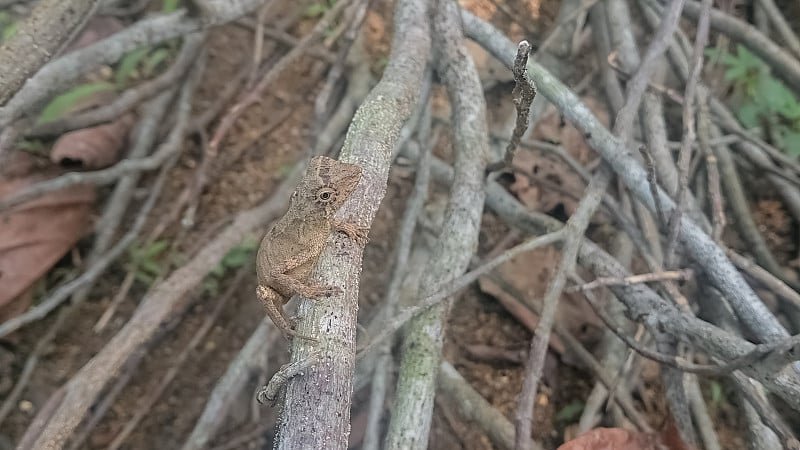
x=290, y=249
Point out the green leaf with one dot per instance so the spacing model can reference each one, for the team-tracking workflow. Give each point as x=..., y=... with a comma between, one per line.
x=570, y=412
x=10, y=31
x=316, y=9
x=735, y=73
x=144, y=278
x=749, y=114
x=30, y=145
x=745, y=57
x=773, y=94
x=129, y=64
x=716, y=392
x=61, y=105
x=169, y=6
x=154, y=60
x=155, y=249
x=791, y=110
x=714, y=52
x=150, y=267
x=211, y=285
x=791, y=142
x=238, y=256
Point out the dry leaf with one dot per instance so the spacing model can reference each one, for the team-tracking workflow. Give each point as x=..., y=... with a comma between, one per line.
x=490, y=70
x=612, y=439
x=97, y=28
x=36, y=234
x=529, y=274
x=671, y=437
x=95, y=147
x=560, y=185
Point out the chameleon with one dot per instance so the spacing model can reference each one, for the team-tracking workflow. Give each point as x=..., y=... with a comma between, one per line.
x=290, y=249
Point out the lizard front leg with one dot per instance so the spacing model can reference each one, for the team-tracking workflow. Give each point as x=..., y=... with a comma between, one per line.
x=273, y=305
x=353, y=230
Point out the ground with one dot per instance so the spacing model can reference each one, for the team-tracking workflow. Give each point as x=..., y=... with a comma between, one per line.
x=241, y=180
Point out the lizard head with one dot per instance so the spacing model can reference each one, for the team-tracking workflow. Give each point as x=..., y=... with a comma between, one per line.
x=327, y=184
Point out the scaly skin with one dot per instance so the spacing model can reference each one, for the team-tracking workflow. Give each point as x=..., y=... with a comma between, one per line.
x=289, y=251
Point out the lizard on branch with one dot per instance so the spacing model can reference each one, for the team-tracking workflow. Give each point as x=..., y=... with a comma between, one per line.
x=290, y=249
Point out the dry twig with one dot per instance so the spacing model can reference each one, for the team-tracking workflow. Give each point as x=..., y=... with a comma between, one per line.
x=526, y=92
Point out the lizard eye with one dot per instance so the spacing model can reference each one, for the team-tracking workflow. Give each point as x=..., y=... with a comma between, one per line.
x=326, y=194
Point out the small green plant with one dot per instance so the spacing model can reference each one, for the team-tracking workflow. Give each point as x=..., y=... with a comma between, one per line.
x=717, y=394
x=319, y=8
x=62, y=104
x=169, y=6
x=145, y=261
x=8, y=26
x=33, y=146
x=236, y=257
x=760, y=99
x=570, y=412
x=128, y=65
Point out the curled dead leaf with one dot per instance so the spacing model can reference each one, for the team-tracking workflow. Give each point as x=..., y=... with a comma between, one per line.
x=613, y=439
x=36, y=234
x=95, y=147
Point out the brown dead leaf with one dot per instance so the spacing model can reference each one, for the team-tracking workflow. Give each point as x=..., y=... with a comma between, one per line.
x=560, y=184
x=490, y=70
x=529, y=274
x=484, y=10
x=36, y=234
x=97, y=28
x=95, y=147
x=612, y=439
x=671, y=437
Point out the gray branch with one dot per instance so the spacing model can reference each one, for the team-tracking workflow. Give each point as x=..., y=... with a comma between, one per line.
x=39, y=37
x=422, y=347
x=753, y=313
x=59, y=73
x=320, y=398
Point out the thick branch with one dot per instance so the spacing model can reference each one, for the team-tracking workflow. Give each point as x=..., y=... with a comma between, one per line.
x=59, y=73
x=320, y=397
x=411, y=418
x=40, y=36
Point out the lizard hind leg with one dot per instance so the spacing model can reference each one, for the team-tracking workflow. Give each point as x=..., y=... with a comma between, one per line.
x=273, y=305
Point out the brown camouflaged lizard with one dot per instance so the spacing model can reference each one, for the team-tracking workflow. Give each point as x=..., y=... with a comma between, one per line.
x=290, y=249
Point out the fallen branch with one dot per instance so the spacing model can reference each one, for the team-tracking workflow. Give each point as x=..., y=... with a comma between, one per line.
x=131, y=97
x=753, y=313
x=51, y=25
x=59, y=73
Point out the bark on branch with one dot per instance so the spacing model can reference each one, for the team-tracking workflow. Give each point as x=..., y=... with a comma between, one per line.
x=316, y=410
x=40, y=36
x=752, y=312
x=59, y=73
x=422, y=347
